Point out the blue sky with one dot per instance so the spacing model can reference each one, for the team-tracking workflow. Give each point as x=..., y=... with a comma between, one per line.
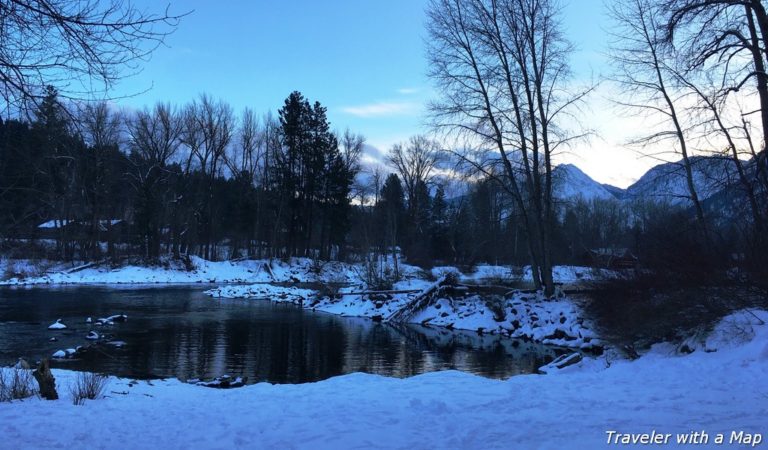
x=364, y=60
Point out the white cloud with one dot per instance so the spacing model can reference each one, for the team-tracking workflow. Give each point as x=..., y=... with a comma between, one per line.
x=383, y=109
x=407, y=91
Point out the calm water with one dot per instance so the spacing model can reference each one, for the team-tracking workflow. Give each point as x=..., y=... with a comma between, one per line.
x=179, y=332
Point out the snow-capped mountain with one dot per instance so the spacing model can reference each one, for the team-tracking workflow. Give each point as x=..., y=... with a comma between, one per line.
x=667, y=182
x=570, y=183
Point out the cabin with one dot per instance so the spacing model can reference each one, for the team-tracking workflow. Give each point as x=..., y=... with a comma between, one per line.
x=611, y=258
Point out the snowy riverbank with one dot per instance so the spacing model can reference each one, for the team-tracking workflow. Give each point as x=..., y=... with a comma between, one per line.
x=720, y=391
x=551, y=321
x=304, y=270
x=174, y=271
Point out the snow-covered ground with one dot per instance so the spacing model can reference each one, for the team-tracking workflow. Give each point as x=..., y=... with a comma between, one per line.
x=719, y=391
x=246, y=271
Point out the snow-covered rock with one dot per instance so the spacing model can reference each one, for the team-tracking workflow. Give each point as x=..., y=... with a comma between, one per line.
x=93, y=336
x=57, y=325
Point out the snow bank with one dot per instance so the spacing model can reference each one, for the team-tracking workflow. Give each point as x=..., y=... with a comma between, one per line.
x=530, y=316
x=247, y=271
x=289, y=294
x=717, y=392
x=29, y=272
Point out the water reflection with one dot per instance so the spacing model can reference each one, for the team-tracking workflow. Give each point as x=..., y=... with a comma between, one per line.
x=178, y=332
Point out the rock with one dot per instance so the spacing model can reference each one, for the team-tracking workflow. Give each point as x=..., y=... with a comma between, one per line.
x=45, y=381
x=223, y=382
x=57, y=325
x=93, y=336
x=559, y=334
x=88, y=320
x=377, y=318
x=53, y=339
x=59, y=354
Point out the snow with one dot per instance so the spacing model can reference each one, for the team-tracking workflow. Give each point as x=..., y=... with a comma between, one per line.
x=57, y=325
x=55, y=223
x=571, y=275
x=289, y=294
x=722, y=391
x=203, y=271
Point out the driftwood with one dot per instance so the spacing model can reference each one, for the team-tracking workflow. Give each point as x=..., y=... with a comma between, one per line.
x=268, y=269
x=401, y=291
x=419, y=302
x=46, y=381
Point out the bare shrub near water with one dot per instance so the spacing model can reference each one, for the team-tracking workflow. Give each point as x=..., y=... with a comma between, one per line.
x=87, y=386
x=16, y=384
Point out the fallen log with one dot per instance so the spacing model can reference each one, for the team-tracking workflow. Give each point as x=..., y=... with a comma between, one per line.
x=400, y=291
x=418, y=302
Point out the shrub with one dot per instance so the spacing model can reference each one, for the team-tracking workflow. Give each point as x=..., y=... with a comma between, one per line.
x=637, y=312
x=16, y=384
x=88, y=386
x=379, y=276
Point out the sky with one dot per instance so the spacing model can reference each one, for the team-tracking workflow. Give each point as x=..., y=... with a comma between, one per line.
x=362, y=59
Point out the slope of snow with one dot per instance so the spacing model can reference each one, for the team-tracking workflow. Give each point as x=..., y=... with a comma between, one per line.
x=575, y=408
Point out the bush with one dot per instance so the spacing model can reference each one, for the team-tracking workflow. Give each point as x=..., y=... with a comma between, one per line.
x=378, y=275
x=637, y=312
x=88, y=386
x=16, y=384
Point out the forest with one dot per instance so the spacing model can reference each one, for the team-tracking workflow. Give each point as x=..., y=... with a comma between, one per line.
x=90, y=182
x=83, y=180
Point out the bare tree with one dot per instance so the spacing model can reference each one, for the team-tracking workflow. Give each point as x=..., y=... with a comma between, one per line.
x=81, y=47
x=155, y=137
x=415, y=162
x=502, y=69
x=647, y=71
x=726, y=33
x=209, y=127
x=100, y=125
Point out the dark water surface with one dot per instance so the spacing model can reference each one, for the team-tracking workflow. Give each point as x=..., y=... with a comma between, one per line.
x=176, y=331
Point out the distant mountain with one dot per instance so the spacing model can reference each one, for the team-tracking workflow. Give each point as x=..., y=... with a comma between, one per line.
x=668, y=183
x=570, y=183
x=616, y=191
